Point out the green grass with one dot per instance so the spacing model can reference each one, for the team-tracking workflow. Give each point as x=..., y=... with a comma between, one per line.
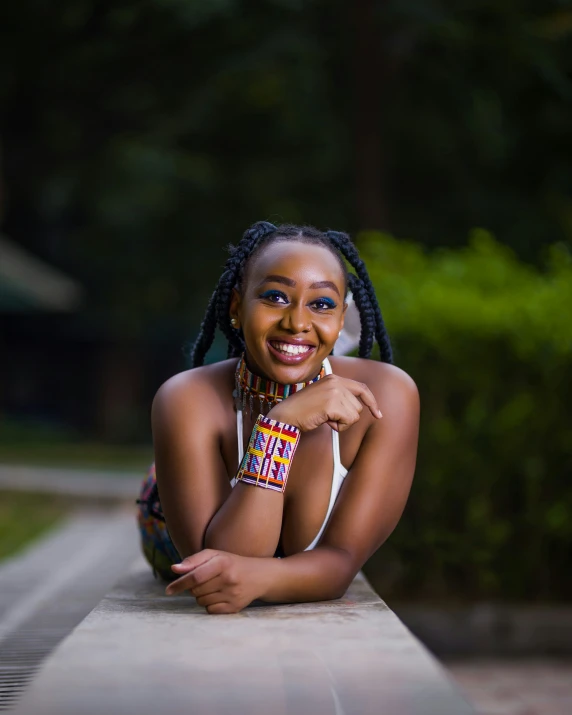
x=24, y=517
x=79, y=455
x=46, y=445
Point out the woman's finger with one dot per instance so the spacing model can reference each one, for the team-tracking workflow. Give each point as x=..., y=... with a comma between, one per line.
x=201, y=574
x=346, y=415
x=210, y=599
x=192, y=562
x=215, y=584
x=221, y=608
x=348, y=420
x=366, y=396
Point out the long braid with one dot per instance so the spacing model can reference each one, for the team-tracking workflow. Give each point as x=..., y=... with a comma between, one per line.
x=366, y=314
x=226, y=284
x=344, y=245
x=206, y=333
x=231, y=278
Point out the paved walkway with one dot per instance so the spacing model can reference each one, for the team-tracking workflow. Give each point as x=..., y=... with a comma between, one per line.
x=48, y=589
x=516, y=687
x=88, y=483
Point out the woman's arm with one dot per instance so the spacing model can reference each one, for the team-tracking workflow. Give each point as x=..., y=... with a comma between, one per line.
x=200, y=507
x=248, y=523
x=370, y=504
x=191, y=474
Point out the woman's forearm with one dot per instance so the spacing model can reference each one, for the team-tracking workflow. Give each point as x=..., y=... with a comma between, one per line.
x=250, y=520
x=322, y=574
x=248, y=523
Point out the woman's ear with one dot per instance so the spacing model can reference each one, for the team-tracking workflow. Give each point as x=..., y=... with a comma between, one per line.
x=234, y=309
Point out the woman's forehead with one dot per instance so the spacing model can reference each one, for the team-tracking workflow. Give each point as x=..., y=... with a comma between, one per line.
x=296, y=260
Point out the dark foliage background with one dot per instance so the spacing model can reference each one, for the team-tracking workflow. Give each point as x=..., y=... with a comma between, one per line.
x=139, y=138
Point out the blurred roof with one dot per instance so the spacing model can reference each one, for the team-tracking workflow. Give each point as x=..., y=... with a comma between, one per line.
x=29, y=284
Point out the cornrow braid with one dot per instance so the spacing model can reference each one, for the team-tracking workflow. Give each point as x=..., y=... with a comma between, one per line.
x=345, y=246
x=263, y=233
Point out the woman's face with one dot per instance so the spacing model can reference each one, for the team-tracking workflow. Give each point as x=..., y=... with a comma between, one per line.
x=291, y=310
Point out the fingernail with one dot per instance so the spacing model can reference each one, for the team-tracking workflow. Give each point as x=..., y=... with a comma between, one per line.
x=379, y=413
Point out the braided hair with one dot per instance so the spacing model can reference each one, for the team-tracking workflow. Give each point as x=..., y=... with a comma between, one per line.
x=263, y=233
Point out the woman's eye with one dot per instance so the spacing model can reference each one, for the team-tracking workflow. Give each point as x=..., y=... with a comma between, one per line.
x=274, y=296
x=324, y=304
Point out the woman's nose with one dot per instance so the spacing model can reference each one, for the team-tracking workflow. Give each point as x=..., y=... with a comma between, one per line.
x=297, y=319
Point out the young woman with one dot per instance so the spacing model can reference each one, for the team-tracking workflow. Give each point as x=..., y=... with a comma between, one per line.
x=281, y=450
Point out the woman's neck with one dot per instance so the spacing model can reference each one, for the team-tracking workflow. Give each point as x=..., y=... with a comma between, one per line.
x=254, y=392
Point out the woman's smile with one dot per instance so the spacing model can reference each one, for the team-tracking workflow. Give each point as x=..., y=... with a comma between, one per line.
x=290, y=353
x=291, y=311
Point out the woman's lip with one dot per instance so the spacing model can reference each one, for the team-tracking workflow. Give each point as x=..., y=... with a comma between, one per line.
x=290, y=359
x=291, y=341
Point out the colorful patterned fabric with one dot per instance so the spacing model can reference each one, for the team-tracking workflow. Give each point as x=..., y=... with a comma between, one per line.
x=267, y=460
x=157, y=546
x=251, y=389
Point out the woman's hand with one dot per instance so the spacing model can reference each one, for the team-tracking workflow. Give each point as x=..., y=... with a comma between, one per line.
x=220, y=581
x=333, y=400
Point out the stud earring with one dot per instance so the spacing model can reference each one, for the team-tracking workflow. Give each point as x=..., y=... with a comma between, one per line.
x=233, y=322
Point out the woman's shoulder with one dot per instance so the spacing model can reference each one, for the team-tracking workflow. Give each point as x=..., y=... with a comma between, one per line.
x=383, y=379
x=195, y=389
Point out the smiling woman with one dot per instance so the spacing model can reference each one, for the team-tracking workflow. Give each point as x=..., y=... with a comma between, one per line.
x=322, y=476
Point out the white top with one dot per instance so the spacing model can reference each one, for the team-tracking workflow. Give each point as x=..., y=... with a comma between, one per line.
x=340, y=472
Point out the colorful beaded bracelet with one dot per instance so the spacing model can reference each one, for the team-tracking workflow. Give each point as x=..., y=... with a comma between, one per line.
x=266, y=462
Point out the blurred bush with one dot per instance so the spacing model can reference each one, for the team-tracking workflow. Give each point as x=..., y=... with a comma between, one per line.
x=488, y=340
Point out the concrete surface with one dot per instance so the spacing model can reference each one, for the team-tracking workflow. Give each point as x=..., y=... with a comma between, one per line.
x=89, y=542
x=142, y=652
x=50, y=587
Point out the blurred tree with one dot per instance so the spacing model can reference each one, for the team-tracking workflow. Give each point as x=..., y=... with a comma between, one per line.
x=141, y=137
x=478, y=126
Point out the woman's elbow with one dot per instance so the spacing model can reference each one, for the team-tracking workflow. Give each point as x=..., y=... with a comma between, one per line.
x=342, y=574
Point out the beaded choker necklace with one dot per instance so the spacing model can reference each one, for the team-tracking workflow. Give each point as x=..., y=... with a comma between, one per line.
x=250, y=388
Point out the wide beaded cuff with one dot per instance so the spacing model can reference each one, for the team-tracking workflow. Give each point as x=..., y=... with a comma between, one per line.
x=266, y=462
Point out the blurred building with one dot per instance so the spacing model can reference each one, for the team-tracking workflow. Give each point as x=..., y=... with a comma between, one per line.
x=60, y=372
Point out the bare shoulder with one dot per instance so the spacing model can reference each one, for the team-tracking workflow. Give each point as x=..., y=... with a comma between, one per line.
x=389, y=383
x=193, y=390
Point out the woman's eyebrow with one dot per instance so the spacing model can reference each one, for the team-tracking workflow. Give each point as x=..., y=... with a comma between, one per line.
x=289, y=282
x=278, y=279
x=325, y=284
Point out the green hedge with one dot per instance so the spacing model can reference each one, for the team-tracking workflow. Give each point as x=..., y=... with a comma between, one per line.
x=488, y=341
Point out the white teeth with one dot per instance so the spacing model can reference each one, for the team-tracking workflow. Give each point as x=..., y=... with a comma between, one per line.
x=289, y=349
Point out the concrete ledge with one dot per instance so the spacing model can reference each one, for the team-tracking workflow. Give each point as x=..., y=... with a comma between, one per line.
x=141, y=652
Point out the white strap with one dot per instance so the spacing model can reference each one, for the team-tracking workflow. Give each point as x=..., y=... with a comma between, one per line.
x=239, y=434
x=335, y=435
x=338, y=476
